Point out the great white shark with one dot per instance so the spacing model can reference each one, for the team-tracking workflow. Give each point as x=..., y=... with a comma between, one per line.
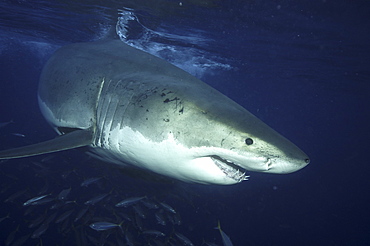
x=132, y=108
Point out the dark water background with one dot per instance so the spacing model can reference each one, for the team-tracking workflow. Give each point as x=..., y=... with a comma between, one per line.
x=303, y=67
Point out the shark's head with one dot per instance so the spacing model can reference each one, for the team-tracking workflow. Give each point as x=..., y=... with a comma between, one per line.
x=196, y=137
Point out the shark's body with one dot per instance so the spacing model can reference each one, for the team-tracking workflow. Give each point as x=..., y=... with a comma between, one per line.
x=133, y=108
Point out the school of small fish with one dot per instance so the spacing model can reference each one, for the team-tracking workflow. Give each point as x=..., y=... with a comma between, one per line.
x=88, y=210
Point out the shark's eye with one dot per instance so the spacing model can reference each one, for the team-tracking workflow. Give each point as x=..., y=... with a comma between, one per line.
x=248, y=141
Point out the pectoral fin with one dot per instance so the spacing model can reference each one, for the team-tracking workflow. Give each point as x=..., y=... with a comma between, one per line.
x=71, y=140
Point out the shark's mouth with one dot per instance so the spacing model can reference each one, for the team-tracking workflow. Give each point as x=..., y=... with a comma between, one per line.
x=230, y=169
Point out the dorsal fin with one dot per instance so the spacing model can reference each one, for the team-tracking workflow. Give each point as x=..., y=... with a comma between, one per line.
x=75, y=139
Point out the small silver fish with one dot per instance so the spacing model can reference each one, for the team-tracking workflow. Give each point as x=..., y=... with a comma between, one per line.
x=167, y=207
x=160, y=217
x=81, y=214
x=4, y=124
x=175, y=219
x=21, y=240
x=11, y=237
x=4, y=218
x=63, y=194
x=37, y=221
x=35, y=199
x=129, y=201
x=183, y=239
x=90, y=181
x=225, y=238
x=15, y=195
x=102, y=226
x=64, y=216
x=29, y=210
x=41, y=230
x=128, y=238
x=19, y=134
x=96, y=199
x=43, y=201
x=138, y=222
x=139, y=210
x=149, y=204
x=47, y=158
x=154, y=233
x=57, y=205
x=50, y=218
x=125, y=216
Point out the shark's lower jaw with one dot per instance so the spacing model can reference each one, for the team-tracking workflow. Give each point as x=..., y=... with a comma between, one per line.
x=230, y=169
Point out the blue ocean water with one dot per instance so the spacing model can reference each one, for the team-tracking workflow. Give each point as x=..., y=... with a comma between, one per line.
x=302, y=67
